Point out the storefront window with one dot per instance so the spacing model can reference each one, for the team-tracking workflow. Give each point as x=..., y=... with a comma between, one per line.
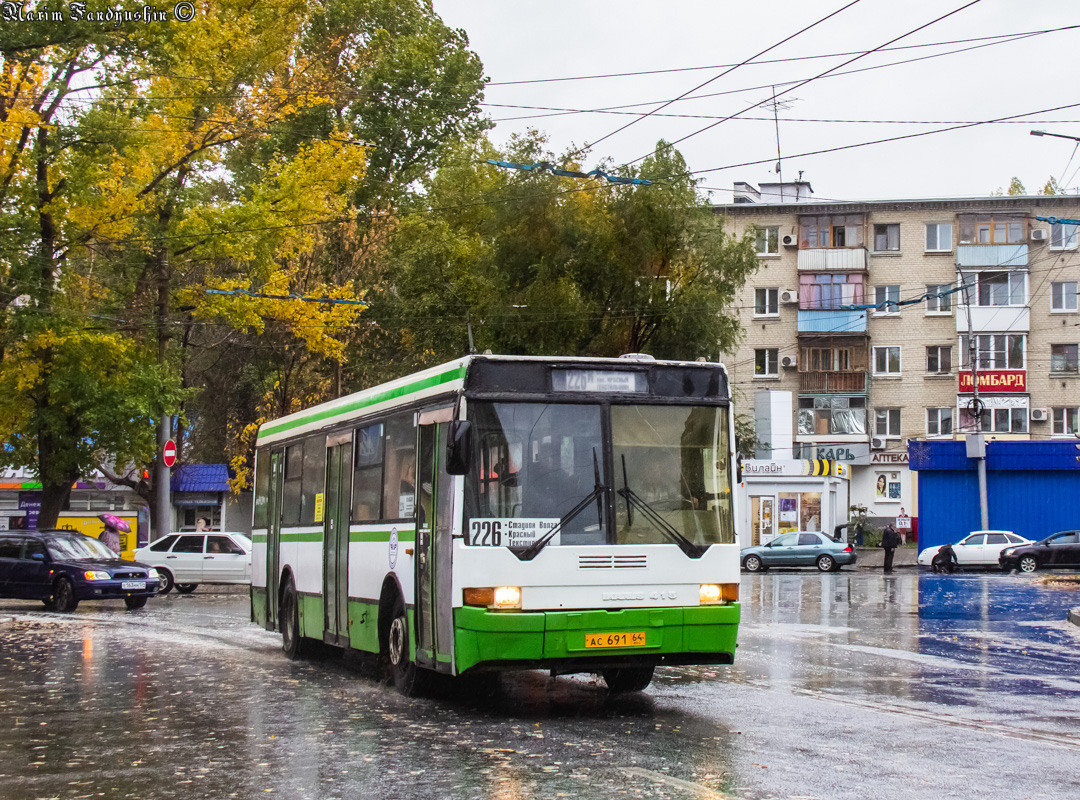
x=799, y=511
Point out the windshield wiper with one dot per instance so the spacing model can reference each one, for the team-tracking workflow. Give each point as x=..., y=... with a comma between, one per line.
x=633, y=500
x=597, y=494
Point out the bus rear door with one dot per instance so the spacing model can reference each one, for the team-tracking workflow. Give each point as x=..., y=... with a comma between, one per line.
x=336, y=538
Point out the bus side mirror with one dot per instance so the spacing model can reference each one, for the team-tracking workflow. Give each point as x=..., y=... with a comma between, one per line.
x=458, y=446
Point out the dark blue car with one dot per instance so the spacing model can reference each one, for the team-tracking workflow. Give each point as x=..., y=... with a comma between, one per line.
x=60, y=568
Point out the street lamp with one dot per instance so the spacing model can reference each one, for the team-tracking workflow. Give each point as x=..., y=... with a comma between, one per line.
x=1058, y=135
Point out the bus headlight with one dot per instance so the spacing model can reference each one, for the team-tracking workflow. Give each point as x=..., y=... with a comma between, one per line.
x=98, y=575
x=711, y=593
x=494, y=597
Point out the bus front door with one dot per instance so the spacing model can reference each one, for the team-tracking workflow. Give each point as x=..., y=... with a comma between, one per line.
x=336, y=539
x=434, y=520
x=273, y=536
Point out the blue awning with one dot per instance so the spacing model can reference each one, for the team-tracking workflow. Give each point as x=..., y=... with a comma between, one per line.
x=200, y=478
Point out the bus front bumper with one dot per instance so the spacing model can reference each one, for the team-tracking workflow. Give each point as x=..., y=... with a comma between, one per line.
x=591, y=640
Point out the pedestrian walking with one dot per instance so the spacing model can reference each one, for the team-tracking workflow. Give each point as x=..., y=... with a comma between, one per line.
x=890, y=540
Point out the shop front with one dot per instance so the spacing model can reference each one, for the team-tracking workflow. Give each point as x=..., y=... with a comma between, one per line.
x=785, y=496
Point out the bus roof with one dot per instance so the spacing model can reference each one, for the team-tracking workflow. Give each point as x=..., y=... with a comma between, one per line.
x=442, y=379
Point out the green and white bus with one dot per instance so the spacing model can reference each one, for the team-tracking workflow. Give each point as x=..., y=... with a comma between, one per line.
x=505, y=513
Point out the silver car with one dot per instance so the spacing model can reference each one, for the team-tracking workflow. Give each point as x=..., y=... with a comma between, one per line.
x=800, y=549
x=186, y=559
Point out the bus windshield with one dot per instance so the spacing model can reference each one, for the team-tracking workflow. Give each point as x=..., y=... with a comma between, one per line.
x=542, y=467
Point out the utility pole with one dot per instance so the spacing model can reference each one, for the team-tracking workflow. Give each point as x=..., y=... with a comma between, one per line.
x=976, y=443
x=162, y=473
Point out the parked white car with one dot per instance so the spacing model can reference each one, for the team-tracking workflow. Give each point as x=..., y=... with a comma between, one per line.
x=185, y=560
x=977, y=549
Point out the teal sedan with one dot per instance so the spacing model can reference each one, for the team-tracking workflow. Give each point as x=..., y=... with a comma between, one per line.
x=800, y=549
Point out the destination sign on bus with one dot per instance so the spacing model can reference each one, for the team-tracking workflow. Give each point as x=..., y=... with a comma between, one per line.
x=598, y=380
x=509, y=531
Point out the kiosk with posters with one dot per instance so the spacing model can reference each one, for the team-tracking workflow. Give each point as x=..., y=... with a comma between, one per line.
x=784, y=496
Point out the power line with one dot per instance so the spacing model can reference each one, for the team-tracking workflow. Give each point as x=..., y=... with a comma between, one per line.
x=775, y=60
x=717, y=77
x=816, y=77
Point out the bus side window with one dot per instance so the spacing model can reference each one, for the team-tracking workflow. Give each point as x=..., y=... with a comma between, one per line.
x=368, y=473
x=290, y=495
x=399, y=482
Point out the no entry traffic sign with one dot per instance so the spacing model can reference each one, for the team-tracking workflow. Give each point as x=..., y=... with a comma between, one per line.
x=168, y=453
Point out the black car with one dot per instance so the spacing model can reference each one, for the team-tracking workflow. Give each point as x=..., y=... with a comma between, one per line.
x=60, y=568
x=1057, y=551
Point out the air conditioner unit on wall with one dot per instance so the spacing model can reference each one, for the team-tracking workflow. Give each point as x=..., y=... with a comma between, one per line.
x=790, y=362
x=790, y=240
x=789, y=296
x=877, y=443
x=1040, y=414
x=1038, y=234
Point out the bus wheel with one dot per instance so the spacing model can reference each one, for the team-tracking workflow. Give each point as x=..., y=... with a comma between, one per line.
x=135, y=602
x=290, y=623
x=628, y=679
x=402, y=669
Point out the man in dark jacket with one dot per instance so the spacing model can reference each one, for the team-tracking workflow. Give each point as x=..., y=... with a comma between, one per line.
x=890, y=540
x=945, y=559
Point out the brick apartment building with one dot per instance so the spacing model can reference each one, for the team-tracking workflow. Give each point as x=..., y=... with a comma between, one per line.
x=865, y=381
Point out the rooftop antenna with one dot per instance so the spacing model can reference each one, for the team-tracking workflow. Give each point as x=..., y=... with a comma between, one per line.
x=777, y=106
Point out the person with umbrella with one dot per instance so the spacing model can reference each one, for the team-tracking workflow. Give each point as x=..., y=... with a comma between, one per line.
x=113, y=526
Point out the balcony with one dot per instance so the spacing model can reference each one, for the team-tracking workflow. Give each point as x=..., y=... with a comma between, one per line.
x=837, y=321
x=832, y=382
x=990, y=255
x=821, y=259
x=994, y=319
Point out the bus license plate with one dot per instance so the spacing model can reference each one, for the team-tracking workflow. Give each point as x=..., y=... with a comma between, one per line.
x=133, y=585
x=632, y=639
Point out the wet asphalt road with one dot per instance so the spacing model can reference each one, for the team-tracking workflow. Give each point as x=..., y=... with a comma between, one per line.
x=848, y=685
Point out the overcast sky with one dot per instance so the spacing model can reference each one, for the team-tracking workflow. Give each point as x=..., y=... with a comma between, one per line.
x=529, y=40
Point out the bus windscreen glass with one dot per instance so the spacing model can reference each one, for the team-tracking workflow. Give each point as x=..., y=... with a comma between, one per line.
x=537, y=466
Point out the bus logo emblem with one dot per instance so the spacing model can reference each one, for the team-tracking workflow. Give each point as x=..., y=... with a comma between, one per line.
x=393, y=547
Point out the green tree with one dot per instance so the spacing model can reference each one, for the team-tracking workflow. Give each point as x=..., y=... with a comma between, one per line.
x=1016, y=188
x=540, y=264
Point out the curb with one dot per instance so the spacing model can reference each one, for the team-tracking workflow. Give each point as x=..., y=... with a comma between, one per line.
x=1074, y=616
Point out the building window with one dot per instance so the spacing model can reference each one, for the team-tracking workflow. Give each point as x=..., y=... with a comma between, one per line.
x=939, y=359
x=887, y=487
x=939, y=298
x=829, y=291
x=845, y=230
x=766, y=302
x=886, y=360
x=1067, y=421
x=997, y=288
x=987, y=229
x=939, y=237
x=766, y=362
x=768, y=241
x=887, y=300
x=886, y=237
x=1064, y=358
x=1063, y=236
x=826, y=359
x=823, y=415
x=887, y=422
x=1006, y=419
x=1063, y=295
x=939, y=421
x=994, y=351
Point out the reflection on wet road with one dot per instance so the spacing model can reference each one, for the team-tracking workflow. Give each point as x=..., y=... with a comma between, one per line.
x=846, y=685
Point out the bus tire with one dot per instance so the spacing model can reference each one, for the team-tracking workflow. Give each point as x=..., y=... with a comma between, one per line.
x=291, y=640
x=138, y=601
x=403, y=670
x=628, y=679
